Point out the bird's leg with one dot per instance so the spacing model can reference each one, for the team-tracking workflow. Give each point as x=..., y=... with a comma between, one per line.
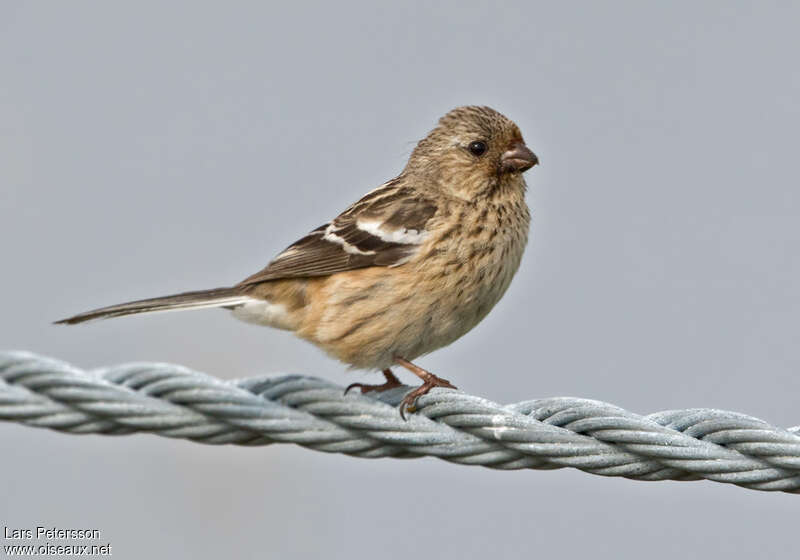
x=391, y=383
x=429, y=381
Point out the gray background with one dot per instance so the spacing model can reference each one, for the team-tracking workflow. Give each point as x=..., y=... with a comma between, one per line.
x=147, y=149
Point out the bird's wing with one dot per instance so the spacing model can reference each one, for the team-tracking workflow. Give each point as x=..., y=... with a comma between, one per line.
x=384, y=228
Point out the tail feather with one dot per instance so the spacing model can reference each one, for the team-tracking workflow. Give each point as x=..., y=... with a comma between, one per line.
x=218, y=297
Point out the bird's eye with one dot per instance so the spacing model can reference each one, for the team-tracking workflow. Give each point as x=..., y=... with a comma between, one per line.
x=477, y=148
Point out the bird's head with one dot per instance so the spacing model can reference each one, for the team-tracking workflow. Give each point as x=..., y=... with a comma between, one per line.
x=473, y=152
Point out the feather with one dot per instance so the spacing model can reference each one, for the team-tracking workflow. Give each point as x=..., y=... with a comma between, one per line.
x=218, y=297
x=384, y=228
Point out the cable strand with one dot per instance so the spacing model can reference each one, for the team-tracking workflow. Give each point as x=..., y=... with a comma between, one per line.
x=595, y=437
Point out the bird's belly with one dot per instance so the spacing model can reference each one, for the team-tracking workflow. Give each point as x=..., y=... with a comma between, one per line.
x=370, y=318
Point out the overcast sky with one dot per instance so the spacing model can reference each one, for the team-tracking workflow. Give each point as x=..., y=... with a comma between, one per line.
x=151, y=148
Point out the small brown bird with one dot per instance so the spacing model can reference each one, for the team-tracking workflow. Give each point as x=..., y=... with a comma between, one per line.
x=411, y=267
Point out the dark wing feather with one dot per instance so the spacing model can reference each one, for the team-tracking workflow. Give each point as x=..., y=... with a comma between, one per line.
x=384, y=228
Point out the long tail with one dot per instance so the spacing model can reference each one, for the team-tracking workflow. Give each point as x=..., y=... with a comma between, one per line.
x=218, y=297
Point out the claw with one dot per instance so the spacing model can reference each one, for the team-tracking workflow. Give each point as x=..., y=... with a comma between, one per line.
x=410, y=400
x=402, y=409
x=391, y=383
x=364, y=388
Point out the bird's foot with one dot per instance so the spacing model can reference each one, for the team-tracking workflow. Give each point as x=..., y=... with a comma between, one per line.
x=429, y=381
x=391, y=383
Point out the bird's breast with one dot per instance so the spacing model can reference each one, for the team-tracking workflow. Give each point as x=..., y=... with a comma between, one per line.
x=367, y=317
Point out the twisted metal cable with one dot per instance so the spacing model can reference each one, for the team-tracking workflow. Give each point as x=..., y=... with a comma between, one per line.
x=593, y=436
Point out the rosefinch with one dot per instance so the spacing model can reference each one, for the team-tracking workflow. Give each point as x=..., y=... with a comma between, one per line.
x=409, y=268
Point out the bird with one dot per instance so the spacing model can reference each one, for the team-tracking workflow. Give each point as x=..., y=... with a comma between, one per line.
x=409, y=268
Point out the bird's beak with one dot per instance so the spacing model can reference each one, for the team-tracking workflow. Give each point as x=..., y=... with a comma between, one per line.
x=518, y=158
